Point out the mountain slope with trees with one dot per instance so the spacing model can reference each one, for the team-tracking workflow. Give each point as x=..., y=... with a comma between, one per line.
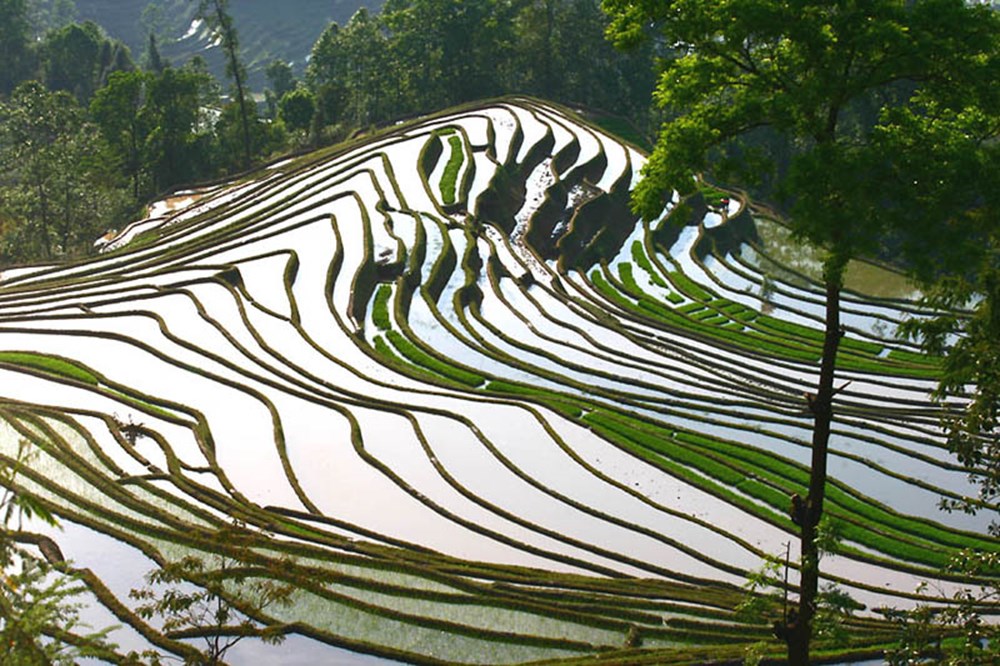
x=268, y=30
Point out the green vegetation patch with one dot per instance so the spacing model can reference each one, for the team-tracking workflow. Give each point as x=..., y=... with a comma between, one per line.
x=416, y=355
x=713, y=195
x=51, y=364
x=450, y=176
x=566, y=408
x=772, y=480
x=689, y=287
x=640, y=258
x=380, y=308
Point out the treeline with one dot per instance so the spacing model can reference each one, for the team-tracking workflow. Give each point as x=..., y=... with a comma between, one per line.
x=88, y=134
x=419, y=55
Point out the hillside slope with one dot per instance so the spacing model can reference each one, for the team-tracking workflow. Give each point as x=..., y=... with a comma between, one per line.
x=267, y=29
x=443, y=382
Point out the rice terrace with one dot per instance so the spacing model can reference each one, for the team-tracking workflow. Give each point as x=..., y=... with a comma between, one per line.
x=465, y=407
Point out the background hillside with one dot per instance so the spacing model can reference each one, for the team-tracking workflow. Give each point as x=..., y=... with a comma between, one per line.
x=268, y=30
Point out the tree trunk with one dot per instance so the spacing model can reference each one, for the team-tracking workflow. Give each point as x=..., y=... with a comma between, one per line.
x=807, y=515
x=43, y=230
x=134, y=164
x=229, y=43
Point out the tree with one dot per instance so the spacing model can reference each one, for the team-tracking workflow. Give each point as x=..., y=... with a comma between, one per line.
x=965, y=130
x=812, y=79
x=975, y=641
x=964, y=139
x=297, y=108
x=537, y=28
x=326, y=78
x=220, y=610
x=282, y=80
x=15, y=44
x=280, y=76
x=265, y=138
x=119, y=109
x=152, y=59
x=417, y=56
x=156, y=21
x=448, y=51
x=547, y=32
x=38, y=614
x=216, y=16
x=79, y=57
x=57, y=186
x=174, y=146
x=355, y=57
x=69, y=59
x=47, y=15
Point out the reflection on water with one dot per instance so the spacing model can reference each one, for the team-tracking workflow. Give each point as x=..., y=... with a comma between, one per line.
x=783, y=252
x=299, y=651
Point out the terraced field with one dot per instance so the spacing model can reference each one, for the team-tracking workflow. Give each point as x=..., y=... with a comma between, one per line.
x=449, y=387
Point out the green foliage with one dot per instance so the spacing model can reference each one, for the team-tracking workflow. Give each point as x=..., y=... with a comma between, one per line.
x=971, y=344
x=122, y=112
x=151, y=58
x=297, y=108
x=761, y=597
x=280, y=76
x=833, y=97
x=39, y=610
x=15, y=36
x=965, y=141
x=956, y=634
x=232, y=136
x=216, y=15
x=380, y=308
x=450, y=176
x=52, y=364
x=766, y=601
x=426, y=361
x=422, y=55
x=177, y=149
x=79, y=57
x=49, y=15
x=919, y=636
x=215, y=597
x=57, y=191
x=829, y=534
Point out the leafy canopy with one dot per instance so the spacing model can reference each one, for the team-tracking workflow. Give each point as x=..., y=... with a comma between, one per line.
x=789, y=95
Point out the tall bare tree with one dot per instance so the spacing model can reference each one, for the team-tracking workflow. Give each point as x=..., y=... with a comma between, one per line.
x=216, y=16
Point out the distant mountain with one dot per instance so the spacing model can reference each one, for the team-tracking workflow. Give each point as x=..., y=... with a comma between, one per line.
x=267, y=29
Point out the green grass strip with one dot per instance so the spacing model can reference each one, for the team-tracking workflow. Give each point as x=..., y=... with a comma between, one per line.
x=687, y=286
x=640, y=258
x=639, y=444
x=450, y=175
x=905, y=356
x=421, y=358
x=52, y=365
x=380, y=308
x=772, y=481
x=735, y=310
x=772, y=324
x=805, y=347
x=566, y=408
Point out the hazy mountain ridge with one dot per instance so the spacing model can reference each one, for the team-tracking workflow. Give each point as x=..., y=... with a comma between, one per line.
x=268, y=30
